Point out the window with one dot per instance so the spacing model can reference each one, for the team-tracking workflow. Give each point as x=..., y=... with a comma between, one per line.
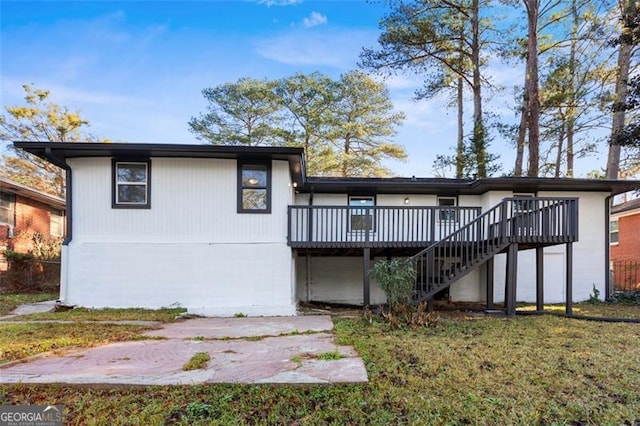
x=445, y=214
x=7, y=209
x=521, y=206
x=254, y=188
x=361, y=213
x=131, y=184
x=56, y=223
x=613, y=231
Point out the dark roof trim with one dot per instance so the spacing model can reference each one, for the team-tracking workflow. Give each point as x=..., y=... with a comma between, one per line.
x=441, y=186
x=59, y=152
x=24, y=191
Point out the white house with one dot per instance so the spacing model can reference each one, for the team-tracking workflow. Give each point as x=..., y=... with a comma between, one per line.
x=222, y=230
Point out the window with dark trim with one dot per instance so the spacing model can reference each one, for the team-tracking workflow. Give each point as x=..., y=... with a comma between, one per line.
x=361, y=213
x=131, y=184
x=7, y=208
x=521, y=206
x=254, y=187
x=445, y=214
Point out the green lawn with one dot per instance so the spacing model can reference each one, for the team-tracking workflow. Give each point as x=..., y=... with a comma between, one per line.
x=468, y=369
x=108, y=314
x=8, y=302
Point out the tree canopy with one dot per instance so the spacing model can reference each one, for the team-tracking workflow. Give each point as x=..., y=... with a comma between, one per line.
x=345, y=126
x=38, y=119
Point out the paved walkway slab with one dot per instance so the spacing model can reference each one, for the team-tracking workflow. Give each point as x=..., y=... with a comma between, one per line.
x=221, y=328
x=292, y=358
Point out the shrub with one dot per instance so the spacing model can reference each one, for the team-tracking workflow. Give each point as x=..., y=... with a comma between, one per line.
x=397, y=279
x=45, y=248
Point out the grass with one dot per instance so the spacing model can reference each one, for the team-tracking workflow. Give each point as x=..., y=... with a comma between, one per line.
x=19, y=341
x=8, y=302
x=198, y=361
x=619, y=310
x=109, y=314
x=465, y=370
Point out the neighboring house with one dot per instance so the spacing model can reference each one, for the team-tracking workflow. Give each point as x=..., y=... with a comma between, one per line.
x=228, y=229
x=25, y=211
x=624, y=234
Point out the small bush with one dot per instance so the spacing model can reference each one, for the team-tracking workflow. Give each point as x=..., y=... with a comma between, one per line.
x=594, y=297
x=631, y=297
x=411, y=316
x=397, y=279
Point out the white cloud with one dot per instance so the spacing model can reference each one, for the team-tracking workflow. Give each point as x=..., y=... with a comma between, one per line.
x=337, y=49
x=314, y=20
x=270, y=3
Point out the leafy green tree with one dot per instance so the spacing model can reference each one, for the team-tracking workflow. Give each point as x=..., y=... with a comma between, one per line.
x=38, y=120
x=308, y=100
x=626, y=42
x=574, y=88
x=345, y=126
x=441, y=40
x=364, y=125
x=241, y=113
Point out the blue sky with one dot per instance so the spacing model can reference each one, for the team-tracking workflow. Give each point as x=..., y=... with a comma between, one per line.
x=136, y=69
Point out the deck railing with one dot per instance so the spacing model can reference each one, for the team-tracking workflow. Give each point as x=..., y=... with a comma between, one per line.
x=374, y=226
x=526, y=220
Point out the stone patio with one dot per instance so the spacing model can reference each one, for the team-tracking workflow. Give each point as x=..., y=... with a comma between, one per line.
x=242, y=350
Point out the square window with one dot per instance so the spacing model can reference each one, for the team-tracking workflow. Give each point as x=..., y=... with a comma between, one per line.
x=361, y=213
x=131, y=185
x=254, y=188
x=447, y=214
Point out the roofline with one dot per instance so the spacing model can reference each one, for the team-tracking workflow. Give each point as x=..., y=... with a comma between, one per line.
x=34, y=194
x=465, y=186
x=626, y=207
x=59, y=152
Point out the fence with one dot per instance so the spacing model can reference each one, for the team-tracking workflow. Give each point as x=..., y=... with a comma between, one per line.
x=625, y=275
x=29, y=275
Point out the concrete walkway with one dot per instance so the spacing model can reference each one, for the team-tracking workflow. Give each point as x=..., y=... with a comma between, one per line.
x=238, y=349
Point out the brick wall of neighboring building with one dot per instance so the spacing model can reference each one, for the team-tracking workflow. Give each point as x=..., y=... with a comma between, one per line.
x=30, y=216
x=628, y=246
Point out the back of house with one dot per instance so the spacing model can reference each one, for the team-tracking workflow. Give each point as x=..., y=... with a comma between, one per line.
x=223, y=230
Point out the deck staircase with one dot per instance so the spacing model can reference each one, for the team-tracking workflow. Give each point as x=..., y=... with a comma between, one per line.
x=526, y=221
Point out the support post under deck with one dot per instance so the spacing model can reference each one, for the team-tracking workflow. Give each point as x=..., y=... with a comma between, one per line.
x=511, y=279
x=366, y=279
x=539, y=279
x=569, y=279
x=490, y=284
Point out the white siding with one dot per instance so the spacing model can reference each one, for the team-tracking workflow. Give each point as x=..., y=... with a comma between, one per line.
x=588, y=257
x=191, y=248
x=334, y=280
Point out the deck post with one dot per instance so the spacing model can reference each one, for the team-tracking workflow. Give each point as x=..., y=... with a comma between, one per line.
x=539, y=279
x=490, y=283
x=569, y=279
x=366, y=279
x=511, y=279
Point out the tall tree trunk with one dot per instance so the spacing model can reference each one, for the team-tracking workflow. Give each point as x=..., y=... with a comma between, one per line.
x=627, y=9
x=479, y=146
x=522, y=129
x=460, y=147
x=532, y=7
x=571, y=110
x=559, y=149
